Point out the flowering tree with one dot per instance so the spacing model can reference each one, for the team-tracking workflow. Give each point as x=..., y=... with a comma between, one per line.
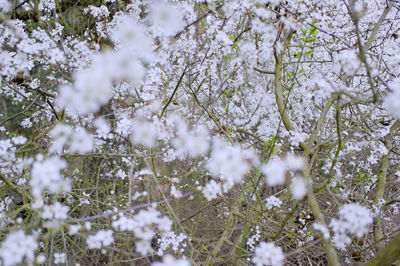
x=199, y=132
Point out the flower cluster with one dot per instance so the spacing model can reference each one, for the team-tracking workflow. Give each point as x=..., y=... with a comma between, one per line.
x=392, y=100
x=169, y=260
x=253, y=240
x=170, y=239
x=109, y=107
x=272, y=202
x=46, y=176
x=354, y=219
x=268, y=254
x=323, y=229
x=60, y=258
x=144, y=225
x=79, y=140
x=230, y=163
x=56, y=213
x=18, y=247
x=276, y=169
x=102, y=238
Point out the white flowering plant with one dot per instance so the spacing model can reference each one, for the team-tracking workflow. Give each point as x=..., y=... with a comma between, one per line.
x=188, y=132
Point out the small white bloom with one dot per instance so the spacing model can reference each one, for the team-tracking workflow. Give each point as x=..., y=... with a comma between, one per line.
x=275, y=172
x=169, y=260
x=168, y=17
x=55, y=211
x=298, y=188
x=81, y=141
x=168, y=240
x=322, y=228
x=212, y=190
x=74, y=229
x=40, y=259
x=60, y=258
x=294, y=162
x=16, y=247
x=143, y=247
x=268, y=254
x=272, y=202
x=353, y=219
x=102, y=238
x=20, y=140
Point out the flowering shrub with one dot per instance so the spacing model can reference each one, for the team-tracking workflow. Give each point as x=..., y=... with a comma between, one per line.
x=171, y=132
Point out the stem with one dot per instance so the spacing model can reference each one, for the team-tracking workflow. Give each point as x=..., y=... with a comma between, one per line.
x=377, y=27
x=312, y=200
x=388, y=255
x=229, y=227
x=313, y=203
x=380, y=188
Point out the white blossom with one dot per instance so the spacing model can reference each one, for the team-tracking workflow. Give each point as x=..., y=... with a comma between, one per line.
x=102, y=238
x=272, y=202
x=275, y=172
x=60, y=258
x=18, y=247
x=212, y=190
x=46, y=176
x=354, y=219
x=169, y=260
x=268, y=254
x=298, y=187
x=166, y=16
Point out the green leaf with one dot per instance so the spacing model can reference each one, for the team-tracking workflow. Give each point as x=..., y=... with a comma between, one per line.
x=313, y=31
x=313, y=38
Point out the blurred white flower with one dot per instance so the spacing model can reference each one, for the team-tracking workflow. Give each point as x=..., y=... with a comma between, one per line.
x=353, y=219
x=268, y=254
x=212, y=190
x=18, y=247
x=60, y=258
x=74, y=229
x=102, y=238
x=81, y=141
x=167, y=16
x=229, y=162
x=169, y=260
x=294, y=162
x=322, y=228
x=392, y=100
x=144, y=132
x=5, y=5
x=298, y=187
x=46, y=176
x=275, y=172
x=19, y=140
x=55, y=211
x=131, y=37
